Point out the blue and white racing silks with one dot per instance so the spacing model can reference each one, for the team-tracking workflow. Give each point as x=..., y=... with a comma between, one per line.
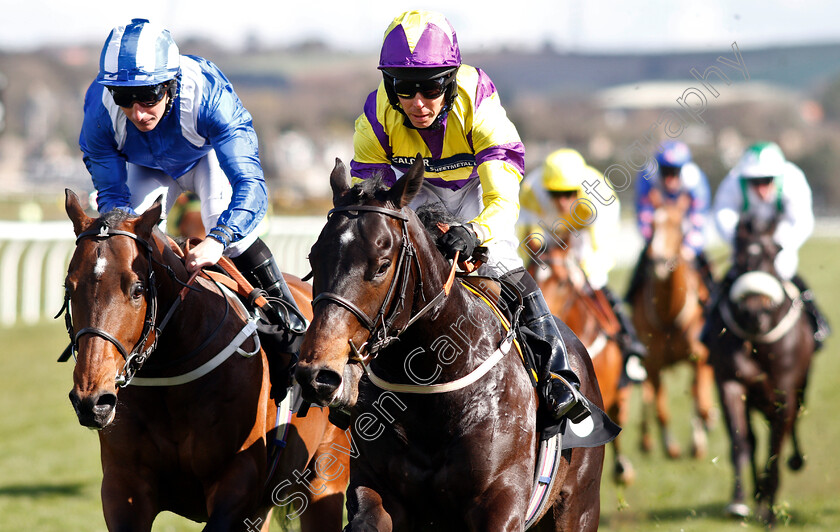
x=206, y=115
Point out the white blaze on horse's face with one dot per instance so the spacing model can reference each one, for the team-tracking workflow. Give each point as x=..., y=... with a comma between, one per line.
x=346, y=237
x=99, y=268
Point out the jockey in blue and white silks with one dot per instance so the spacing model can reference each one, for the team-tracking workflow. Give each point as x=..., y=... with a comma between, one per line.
x=451, y=114
x=206, y=130
x=160, y=123
x=672, y=176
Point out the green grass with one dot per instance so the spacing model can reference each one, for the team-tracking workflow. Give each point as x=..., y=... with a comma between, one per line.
x=50, y=471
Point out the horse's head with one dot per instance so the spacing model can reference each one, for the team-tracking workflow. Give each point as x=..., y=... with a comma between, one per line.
x=755, y=247
x=362, y=266
x=757, y=291
x=110, y=291
x=666, y=242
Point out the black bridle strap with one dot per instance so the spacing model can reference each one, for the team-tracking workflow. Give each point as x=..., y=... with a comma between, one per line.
x=346, y=303
x=370, y=208
x=102, y=334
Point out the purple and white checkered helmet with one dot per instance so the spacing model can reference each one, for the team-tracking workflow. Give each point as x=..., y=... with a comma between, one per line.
x=138, y=54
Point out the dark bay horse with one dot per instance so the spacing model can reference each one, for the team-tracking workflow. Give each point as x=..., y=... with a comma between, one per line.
x=668, y=314
x=563, y=282
x=761, y=360
x=190, y=432
x=444, y=425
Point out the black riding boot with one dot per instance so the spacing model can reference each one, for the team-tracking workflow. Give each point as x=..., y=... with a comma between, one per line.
x=284, y=331
x=705, y=269
x=713, y=325
x=632, y=349
x=637, y=277
x=818, y=320
x=558, y=383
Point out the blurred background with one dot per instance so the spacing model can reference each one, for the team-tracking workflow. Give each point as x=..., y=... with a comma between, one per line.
x=600, y=77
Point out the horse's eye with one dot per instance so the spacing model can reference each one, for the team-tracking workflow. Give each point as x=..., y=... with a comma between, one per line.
x=383, y=268
x=137, y=290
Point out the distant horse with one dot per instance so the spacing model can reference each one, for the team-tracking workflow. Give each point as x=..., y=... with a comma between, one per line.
x=453, y=456
x=190, y=429
x=594, y=323
x=761, y=361
x=668, y=314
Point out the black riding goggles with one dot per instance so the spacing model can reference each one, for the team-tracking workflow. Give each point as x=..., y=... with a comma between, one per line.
x=562, y=194
x=430, y=89
x=757, y=181
x=146, y=95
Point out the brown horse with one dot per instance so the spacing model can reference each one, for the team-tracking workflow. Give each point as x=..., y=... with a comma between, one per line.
x=594, y=323
x=668, y=314
x=453, y=456
x=189, y=431
x=761, y=359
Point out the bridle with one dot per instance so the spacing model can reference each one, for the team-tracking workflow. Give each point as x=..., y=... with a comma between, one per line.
x=382, y=325
x=138, y=355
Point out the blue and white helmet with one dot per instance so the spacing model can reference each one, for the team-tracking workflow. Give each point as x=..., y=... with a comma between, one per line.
x=673, y=154
x=138, y=54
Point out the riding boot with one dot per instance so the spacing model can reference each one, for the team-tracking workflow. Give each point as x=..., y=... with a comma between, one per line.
x=632, y=349
x=283, y=331
x=558, y=383
x=713, y=324
x=818, y=320
x=705, y=269
x=637, y=277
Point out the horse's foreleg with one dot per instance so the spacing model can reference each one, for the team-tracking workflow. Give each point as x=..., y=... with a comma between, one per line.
x=127, y=502
x=732, y=397
x=366, y=512
x=232, y=499
x=663, y=417
x=623, y=471
x=646, y=443
x=780, y=425
x=701, y=390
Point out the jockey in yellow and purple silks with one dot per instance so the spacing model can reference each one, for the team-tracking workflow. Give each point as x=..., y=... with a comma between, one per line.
x=429, y=103
x=567, y=193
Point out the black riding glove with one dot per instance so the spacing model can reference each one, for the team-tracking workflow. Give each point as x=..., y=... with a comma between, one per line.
x=458, y=238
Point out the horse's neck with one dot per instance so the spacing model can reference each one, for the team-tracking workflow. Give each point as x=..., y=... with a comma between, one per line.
x=674, y=292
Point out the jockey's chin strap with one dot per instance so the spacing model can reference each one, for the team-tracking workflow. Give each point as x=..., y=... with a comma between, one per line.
x=380, y=327
x=135, y=359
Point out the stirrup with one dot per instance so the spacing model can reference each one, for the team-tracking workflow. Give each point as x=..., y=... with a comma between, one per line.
x=576, y=411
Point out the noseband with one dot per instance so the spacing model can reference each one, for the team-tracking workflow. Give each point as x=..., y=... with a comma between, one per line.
x=380, y=326
x=133, y=360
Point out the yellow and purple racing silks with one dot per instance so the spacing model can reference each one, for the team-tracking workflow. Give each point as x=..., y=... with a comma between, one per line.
x=475, y=140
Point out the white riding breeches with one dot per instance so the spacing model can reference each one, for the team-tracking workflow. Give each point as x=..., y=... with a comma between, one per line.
x=206, y=179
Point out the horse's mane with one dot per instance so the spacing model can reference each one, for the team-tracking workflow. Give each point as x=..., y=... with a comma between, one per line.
x=375, y=188
x=114, y=217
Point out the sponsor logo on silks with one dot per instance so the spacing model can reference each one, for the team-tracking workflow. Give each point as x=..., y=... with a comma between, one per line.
x=461, y=160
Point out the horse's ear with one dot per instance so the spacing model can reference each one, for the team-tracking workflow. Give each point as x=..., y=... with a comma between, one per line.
x=655, y=198
x=684, y=202
x=81, y=221
x=338, y=180
x=408, y=185
x=149, y=219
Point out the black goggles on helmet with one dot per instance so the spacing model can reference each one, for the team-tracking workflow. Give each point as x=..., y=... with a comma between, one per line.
x=145, y=95
x=757, y=181
x=430, y=89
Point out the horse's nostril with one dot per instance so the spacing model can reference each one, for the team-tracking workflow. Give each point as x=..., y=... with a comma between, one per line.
x=328, y=378
x=106, y=402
